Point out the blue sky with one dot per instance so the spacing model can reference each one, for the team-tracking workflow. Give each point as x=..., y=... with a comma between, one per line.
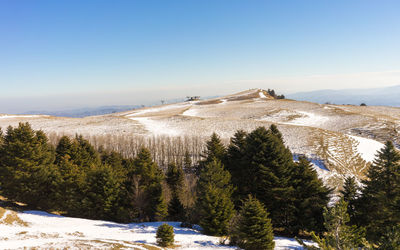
x=61, y=54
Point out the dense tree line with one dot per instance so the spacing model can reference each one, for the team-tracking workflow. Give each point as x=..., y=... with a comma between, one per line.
x=272, y=93
x=79, y=180
x=251, y=181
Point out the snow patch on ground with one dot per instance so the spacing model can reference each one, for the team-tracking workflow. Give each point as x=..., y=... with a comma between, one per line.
x=367, y=147
x=47, y=231
x=155, y=127
x=283, y=243
x=262, y=95
x=190, y=112
x=281, y=116
x=308, y=119
x=160, y=109
x=297, y=118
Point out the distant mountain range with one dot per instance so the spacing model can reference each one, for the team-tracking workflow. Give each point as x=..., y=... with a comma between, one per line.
x=103, y=110
x=83, y=112
x=387, y=96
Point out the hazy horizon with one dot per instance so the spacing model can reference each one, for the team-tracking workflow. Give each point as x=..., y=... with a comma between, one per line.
x=59, y=55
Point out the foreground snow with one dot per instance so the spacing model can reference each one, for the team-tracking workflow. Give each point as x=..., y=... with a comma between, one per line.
x=44, y=230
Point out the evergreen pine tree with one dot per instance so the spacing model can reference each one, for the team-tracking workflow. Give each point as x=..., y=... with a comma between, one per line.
x=270, y=169
x=339, y=235
x=153, y=206
x=114, y=159
x=214, y=150
x=350, y=194
x=165, y=235
x=175, y=178
x=274, y=130
x=261, y=165
x=27, y=174
x=253, y=230
x=176, y=210
x=311, y=197
x=64, y=148
x=158, y=208
x=71, y=187
x=102, y=191
x=83, y=153
x=390, y=238
x=379, y=204
x=214, y=205
x=236, y=164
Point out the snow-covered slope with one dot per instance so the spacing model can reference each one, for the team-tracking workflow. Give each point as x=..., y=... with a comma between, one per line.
x=40, y=230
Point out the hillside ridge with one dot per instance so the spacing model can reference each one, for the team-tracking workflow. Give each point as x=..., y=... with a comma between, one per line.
x=344, y=138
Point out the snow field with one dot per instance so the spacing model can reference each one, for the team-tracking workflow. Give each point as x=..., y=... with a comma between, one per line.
x=46, y=230
x=308, y=119
x=190, y=112
x=159, y=109
x=156, y=128
x=367, y=148
x=297, y=118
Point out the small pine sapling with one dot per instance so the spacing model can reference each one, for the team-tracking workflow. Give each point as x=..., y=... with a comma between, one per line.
x=165, y=235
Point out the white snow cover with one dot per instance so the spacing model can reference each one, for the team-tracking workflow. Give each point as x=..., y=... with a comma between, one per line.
x=367, y=147
x=156, y=128
x=46, y=230
x=160, y=109
x=305, y=119
x=283, y=243
x=262, y=95
x=308, y=119
x=190, y=112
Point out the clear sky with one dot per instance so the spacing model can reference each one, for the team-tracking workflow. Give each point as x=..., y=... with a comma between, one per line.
x=68, y=53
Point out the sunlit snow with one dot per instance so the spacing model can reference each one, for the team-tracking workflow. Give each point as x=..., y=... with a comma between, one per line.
x=46, y=230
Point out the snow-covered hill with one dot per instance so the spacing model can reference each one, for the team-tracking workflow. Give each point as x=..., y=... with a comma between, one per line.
x=341, y=138
x=40, y=230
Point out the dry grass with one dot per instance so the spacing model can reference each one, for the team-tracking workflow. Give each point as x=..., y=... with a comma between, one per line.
x=77, y=234
x=216, y=101
x=11, y=218
x=245, y=97
x=2, y=212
